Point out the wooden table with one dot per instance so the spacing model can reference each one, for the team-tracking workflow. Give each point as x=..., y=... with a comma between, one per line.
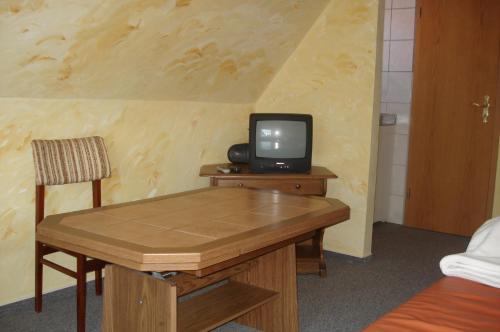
x=310, y=258
x=240, y=236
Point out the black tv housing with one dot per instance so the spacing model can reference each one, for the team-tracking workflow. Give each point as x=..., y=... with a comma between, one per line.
x=296, y=162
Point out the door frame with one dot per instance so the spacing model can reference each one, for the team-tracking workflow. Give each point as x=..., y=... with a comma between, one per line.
x=496, y=147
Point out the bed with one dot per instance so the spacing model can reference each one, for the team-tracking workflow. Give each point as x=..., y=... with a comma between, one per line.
x=451, y=304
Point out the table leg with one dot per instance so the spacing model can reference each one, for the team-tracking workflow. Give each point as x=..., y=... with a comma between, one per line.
x=275, y=271
x=318, y=242
x=310, y=257
x=135, y=301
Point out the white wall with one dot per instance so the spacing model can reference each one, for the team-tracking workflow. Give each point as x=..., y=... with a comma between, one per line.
x=397, y=75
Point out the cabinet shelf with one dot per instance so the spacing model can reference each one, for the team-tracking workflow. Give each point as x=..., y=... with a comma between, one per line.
x=221, y=305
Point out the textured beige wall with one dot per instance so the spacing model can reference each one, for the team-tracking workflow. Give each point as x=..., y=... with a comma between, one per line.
x=117, y=69
x=333, y=75
x=155, y=147
x=77, y=68
x=197, y=50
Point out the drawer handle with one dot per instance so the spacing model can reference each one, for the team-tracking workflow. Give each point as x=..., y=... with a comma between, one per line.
x=240, y=184
x=297, y=186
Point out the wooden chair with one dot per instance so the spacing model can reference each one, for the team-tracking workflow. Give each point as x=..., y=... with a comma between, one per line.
x=62, y=162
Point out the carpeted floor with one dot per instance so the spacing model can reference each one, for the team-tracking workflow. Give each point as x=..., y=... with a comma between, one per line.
x=355, y=293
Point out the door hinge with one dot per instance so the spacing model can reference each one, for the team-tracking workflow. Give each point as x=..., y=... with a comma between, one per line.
x=420, y=12
x=408, y=193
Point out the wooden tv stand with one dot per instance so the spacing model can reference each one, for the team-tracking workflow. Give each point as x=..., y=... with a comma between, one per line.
x=310, y=258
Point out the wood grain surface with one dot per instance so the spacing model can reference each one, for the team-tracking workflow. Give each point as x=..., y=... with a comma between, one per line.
x=135, y=301
x=316, y=172
x=191, y=230
x=187, y=283
x=273, y=271
x=314, y=182
x=221, y=305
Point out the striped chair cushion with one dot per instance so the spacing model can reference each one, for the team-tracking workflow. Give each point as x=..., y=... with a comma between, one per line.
x=65, y=161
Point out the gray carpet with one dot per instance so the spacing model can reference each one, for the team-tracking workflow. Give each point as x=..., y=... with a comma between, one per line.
x=354, y=294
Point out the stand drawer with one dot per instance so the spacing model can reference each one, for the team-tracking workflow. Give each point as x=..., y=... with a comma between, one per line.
x=290, y=186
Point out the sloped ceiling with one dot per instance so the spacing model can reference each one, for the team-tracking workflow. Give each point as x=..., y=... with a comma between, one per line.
x=196, y=50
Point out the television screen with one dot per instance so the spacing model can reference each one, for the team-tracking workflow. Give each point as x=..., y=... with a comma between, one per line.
x=280, y=142
x=280, y=139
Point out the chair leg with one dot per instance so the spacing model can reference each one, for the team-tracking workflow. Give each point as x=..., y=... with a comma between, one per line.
x=98, y=282
x=81, y=292
x=38, y=276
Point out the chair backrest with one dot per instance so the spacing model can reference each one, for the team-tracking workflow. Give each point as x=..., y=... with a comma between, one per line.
x=64, y=161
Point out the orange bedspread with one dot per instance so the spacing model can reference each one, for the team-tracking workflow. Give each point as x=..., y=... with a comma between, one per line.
x=451, y=304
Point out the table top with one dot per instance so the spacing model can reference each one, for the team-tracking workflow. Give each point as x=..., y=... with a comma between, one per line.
x=191, y=230
x=316, y=172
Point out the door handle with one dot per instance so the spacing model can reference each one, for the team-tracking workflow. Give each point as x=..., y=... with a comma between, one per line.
x=485, y=107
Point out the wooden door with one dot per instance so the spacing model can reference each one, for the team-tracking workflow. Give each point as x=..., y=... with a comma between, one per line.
x=452, y=153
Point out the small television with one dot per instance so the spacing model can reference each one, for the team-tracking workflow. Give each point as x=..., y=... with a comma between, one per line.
x=280, y=142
